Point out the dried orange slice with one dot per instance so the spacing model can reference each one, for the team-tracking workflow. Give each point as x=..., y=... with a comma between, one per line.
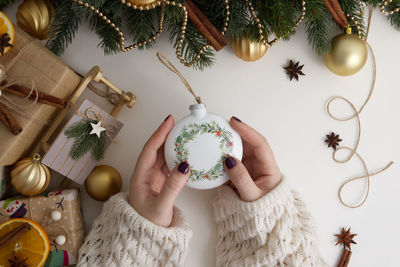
x=28, y=244
x=6, y=31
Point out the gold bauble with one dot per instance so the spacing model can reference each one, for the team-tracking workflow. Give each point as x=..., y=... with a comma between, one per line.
x=248, y=50
x=348, y=55
x=142, y=2
x=34, y=17
x=103, y=182
x=30, y=177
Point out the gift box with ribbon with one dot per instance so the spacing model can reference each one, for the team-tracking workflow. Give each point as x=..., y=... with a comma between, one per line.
x=33, y=80
x=82, y=142
x=59, y=213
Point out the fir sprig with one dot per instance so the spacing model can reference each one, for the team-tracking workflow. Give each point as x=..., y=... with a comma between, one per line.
x=84, y=141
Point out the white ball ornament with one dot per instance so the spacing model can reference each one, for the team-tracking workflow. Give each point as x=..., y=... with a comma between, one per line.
x=60, y=240
x=203, y=140
x=56, y=215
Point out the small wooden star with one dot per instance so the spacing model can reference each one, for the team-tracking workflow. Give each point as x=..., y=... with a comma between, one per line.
x=294, y=70
x=333, y=140
x=346, y=238
x=97, y=128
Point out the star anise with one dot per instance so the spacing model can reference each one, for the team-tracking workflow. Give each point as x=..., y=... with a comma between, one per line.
x=4, y=42
x=333, y=140
x=346, y=238
x=17, y=262
x=294, y=70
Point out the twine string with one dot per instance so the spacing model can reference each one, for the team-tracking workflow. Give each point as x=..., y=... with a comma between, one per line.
x=18, y=107
x=356, y=115
x=172, y=68
x=112, y=97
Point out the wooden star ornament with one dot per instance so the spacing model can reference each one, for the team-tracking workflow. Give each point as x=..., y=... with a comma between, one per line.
x=346, y=238
x=97, y=128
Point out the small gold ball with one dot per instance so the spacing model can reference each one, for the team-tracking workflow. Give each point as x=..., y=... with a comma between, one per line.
x=103, y=182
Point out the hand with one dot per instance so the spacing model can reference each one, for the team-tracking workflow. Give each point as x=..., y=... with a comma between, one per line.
x=258, y=172
x=153, y=189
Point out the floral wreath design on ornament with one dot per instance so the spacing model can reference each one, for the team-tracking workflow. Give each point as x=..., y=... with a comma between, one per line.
x=189, y=133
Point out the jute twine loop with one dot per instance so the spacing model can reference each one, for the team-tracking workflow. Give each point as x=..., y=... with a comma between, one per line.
x=356, y=115
x=172, y=68
x=111, y=96
x=20, y=106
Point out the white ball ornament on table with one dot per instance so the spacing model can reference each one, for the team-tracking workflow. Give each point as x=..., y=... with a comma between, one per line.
x=203, y=140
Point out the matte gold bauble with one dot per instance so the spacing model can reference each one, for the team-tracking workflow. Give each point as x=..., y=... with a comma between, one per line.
x=348, y=55
x=103, y=182
x=248, y=50
x=142, y=2
x=30, y=177
x=34, y=17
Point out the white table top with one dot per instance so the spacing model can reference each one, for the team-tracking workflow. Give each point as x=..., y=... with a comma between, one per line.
x=290, y=114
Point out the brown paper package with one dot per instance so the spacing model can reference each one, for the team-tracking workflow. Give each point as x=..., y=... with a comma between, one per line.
x=50, y=75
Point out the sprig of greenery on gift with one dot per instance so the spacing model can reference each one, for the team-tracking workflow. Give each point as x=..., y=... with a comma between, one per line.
x=84, y=141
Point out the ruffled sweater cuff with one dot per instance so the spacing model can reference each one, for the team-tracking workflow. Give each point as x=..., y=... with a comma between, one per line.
x=122, y=237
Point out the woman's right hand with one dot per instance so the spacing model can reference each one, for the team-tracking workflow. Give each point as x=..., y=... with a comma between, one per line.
x=257, y=173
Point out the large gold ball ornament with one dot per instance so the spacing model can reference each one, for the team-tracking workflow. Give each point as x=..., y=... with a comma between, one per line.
x=34, y=17
x=103, y=182
x=248, y=50
x=348, y=55
x=30, y=177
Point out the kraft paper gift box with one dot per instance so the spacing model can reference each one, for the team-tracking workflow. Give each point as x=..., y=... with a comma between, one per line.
x=34, y=63
x=39, y=210
x=58, y=157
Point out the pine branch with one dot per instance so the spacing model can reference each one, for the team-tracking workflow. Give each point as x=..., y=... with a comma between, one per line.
x=64, y=26
x=318, y=24
x=141, y=25
x=395, y=18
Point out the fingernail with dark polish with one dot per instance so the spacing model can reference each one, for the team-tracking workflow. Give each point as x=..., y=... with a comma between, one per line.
x=167, y=117
x=236, y=119
x=183, y=167
x=230, y=162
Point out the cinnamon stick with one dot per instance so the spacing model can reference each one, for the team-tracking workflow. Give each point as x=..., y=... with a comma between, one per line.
x=14, y=233
x=337, y=12
x=345, y=258
x=202, y=28
x=210, y=27
x=41, y=97
x=9, y=121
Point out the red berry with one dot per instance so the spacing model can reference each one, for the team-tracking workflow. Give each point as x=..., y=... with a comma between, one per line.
x=219, y=133
x=206, y=176
x=230, y=144
x=179, y=152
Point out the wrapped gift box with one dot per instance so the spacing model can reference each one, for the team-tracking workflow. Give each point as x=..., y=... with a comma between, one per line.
x=39, y=210
x=33, y=62
x=58, y=157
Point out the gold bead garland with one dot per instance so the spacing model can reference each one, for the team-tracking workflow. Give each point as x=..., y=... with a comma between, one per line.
x=162, y=4
x=262, y=39
x=391, y=12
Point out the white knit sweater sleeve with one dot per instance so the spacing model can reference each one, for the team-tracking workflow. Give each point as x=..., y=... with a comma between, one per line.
x=275, y=230
x=122, y=237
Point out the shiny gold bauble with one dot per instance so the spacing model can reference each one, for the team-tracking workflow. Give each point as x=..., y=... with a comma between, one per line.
x=348, y=55
x=30, y=177
x=34, y=17
x=247, y=50
x=142, y=2
x=103, y=182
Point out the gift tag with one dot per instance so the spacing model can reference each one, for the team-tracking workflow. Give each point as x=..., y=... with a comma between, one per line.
x=203, y=140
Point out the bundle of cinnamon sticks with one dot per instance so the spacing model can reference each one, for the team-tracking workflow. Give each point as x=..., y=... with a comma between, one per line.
x=8, y=119
x=337, y=13
x=205, y=27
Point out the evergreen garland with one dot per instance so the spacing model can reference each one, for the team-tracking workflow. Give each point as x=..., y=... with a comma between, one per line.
x=277, y=17
x=84, y=141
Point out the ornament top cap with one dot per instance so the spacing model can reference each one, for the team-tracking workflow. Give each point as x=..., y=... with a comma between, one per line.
x=198, y=110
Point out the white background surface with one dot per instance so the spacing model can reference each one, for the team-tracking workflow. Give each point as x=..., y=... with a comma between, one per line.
x=290, y=114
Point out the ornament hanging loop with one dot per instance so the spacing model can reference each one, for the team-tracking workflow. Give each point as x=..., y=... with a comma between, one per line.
x=172, y=68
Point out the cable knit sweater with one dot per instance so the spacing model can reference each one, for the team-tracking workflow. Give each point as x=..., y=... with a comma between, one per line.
x=275, y=230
